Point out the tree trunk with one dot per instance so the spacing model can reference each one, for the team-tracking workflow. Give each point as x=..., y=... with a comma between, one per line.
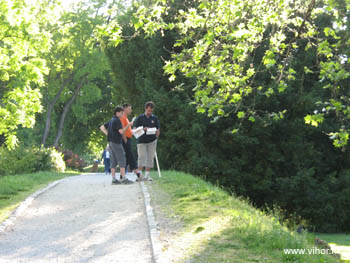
x=65, y=111
x=51, y=105
x=47, y=123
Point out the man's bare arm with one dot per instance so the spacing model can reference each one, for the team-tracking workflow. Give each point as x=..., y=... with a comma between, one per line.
x=122, y=131
x=104, y=130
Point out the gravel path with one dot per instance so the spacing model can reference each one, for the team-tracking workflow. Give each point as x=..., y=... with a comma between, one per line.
x=82, y=219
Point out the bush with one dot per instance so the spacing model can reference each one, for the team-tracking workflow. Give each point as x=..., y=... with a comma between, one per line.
x=284, y=163
x=54, y=160
x=28, y=160
x=73, y=160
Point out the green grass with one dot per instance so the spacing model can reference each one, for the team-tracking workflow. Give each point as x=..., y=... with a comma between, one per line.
x=339, y=239
x=218, y=227
x=15, y=188
x=87, y=169
x=340, y=242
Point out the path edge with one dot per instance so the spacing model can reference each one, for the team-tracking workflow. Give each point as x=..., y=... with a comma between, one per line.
x=24, y=204
x=154, y=232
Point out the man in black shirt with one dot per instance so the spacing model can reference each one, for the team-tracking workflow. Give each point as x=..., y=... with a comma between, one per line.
x=114, y=131
x=147, y=143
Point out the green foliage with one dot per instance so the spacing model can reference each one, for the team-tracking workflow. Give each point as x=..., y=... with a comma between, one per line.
x=77, y=68
x=273, y=159
x=49, y=56
x=22, y=69
x=248, y=234
x=227, y=47
x=30, y=159
x=54, y=160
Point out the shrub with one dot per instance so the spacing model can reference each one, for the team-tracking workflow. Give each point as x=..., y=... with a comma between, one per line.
x=282, y=163
x=30, y=159
x=73, y=160
x=54, y=161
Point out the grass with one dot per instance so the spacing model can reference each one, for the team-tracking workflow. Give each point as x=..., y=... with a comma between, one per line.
x=87, y=169
x=15, y=188
x=217, y=227
x=339, y=239
x=338, y=242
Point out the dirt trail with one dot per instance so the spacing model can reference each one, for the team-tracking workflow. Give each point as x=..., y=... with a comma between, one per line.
x=82, y=219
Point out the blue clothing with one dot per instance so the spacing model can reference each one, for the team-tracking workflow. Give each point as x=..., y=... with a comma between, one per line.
x=106, y=162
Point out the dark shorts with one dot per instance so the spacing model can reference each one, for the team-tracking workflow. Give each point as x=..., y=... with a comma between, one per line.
x=130, y=160
x=117, y=155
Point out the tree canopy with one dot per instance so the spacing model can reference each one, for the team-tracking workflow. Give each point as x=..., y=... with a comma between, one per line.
x=250, y=94
x=51, y=67
x=242, y=51
x=23, y=38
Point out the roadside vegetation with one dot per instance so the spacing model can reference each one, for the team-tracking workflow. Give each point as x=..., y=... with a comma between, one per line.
x=218, y=227
x=89, y=168
x=251, y=95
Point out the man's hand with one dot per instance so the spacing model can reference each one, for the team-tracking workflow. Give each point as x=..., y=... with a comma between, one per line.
x=123, y=130
x=124, y=138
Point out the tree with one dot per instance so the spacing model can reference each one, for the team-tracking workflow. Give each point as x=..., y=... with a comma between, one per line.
x=219, y=44
x=22, y=70
x=274, y=159
x=75, y=60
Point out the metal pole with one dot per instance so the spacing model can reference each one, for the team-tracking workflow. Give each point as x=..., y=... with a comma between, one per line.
x=158, y=165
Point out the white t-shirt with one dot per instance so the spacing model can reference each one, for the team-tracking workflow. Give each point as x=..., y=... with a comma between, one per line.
x=107, y=154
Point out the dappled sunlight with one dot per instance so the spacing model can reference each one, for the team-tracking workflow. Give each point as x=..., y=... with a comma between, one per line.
x=339, y=243
x=344, y=251
x=99, y=231
x=6, y=212
x=94, y=240
x=44, y=210
x=233, y=231
x=189, y=243
x=83, y=219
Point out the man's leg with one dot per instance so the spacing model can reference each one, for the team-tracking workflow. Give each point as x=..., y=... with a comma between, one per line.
x=151, y=151
x=130, y=160
x=108, y=168
x=122, y=162
x=142, y=157
x=120, y=154
x=125, y=147
x=113, y=173
x=105, y=163
x=122, y=172
x=114, y=161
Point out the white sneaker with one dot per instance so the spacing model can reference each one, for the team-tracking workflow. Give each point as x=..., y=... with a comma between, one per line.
x=148, y=178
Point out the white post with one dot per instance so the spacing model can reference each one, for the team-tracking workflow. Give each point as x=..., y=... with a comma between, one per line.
x=158, y=165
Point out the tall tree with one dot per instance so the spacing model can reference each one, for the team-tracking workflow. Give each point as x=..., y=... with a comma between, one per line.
x=75, y=61
x=274, y=161
x=23, y=36
x=220, y=42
